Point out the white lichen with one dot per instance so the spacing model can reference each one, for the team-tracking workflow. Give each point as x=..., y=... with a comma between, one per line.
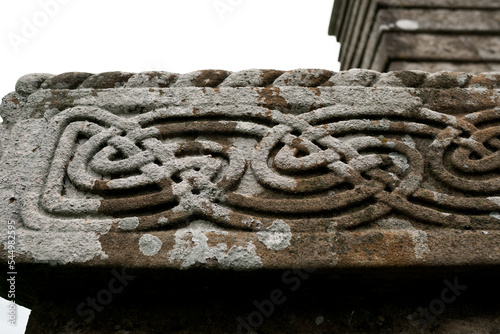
x=495, y=215
x=495, y=200
x=400, y=160
x=192, y=247
x=407, y=25
x=408, y=140
x=150, y=245
x=129, y=223
x=277, y=236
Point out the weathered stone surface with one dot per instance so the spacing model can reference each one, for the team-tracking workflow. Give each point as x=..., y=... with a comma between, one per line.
x=250, y=171
x=236, y=178
x=444, y=66
x=374, y=34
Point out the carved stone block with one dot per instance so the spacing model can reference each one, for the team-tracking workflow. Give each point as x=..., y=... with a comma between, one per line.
x=198, y=191
x=253, y=169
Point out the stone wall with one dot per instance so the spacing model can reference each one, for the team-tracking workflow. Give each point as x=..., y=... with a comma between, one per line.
x=427, y=35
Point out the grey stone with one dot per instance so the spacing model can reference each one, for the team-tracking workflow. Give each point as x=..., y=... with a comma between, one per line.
x=212, y=178
x=374, y=34
x=478, y=49
x=30, y=83
x=251, y=171
x=55, y=180
x=468, y=67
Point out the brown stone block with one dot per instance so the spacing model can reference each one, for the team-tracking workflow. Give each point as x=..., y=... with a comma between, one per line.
x=222, y=180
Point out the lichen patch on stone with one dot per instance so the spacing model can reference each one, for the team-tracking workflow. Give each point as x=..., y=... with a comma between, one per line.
x=192, y=248
x=277, y=236
x=128, y=223
x=150, y=245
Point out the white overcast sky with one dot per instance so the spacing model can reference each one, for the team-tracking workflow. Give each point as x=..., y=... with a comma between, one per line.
x=180, y=36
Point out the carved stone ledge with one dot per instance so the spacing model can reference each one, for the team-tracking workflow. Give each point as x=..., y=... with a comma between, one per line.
x=252, y=171
x=404, y=160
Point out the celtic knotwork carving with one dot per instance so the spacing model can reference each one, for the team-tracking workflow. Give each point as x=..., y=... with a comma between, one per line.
x=245, y=166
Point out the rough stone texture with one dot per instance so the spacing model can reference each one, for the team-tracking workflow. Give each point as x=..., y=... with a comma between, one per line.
x=376, y=34
x=249, y=172
x=444, y=66
x=174, y=176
